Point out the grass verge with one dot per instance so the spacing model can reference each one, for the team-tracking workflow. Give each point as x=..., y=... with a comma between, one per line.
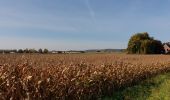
x=157, y=88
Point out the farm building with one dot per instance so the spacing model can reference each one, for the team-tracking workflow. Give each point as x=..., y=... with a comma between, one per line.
x=167, y=47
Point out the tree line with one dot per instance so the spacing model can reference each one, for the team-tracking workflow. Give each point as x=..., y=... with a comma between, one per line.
x=139, y=43
x=43, y=51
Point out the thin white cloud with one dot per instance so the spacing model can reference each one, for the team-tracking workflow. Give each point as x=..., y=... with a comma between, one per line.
x=91, y=11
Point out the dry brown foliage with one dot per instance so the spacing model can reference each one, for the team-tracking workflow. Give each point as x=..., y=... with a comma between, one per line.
x=74, y=76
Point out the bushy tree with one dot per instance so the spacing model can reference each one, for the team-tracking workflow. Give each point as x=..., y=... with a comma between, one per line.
x=26, y=51
x=20, y=51
x=32, y=51
x=142, y=43
x=45, y=50
x=40, y=51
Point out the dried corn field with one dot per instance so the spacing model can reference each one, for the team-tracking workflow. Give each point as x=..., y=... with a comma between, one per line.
x=74, y=76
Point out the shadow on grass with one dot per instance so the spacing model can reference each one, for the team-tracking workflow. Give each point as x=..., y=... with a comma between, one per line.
x=141, y=91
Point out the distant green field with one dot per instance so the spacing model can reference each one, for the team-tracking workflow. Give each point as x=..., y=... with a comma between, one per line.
x=157, y=88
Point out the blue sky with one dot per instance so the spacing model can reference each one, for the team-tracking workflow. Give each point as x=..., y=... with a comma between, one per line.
x=80, y=24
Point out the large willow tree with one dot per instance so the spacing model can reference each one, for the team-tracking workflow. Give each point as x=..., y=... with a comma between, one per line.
x=142, y=43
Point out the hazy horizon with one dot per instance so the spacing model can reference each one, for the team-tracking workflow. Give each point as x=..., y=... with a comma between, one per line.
x=80, y=24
